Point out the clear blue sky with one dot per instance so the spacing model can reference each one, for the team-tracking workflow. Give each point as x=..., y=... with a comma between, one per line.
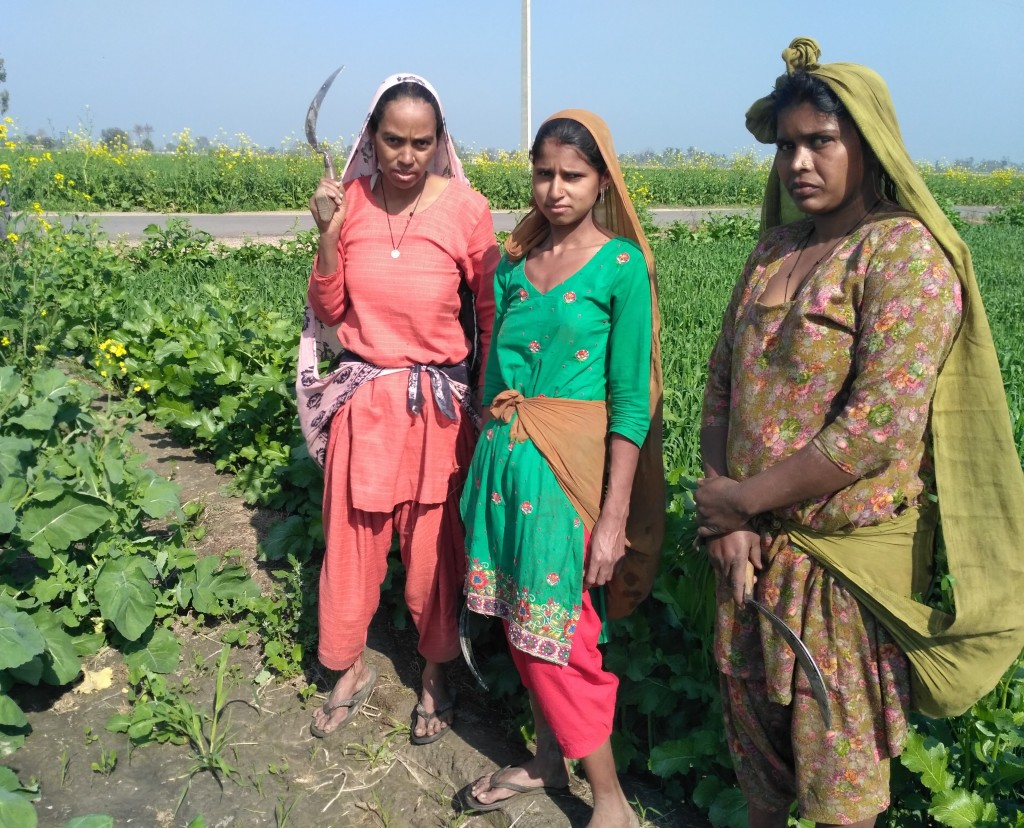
x=672, y=73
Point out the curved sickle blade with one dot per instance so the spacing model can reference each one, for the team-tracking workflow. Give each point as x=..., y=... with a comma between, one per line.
x=467, y=647
x=803, y=656
x=314, y=110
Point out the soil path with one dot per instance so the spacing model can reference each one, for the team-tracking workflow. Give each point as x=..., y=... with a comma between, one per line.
x=368, y=774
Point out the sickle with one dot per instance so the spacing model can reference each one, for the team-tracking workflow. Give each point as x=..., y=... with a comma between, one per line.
x=467, y=647
x=803, y=655
x=324, y=205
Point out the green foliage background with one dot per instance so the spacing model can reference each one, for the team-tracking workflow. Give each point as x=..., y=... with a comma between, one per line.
x=202, y=339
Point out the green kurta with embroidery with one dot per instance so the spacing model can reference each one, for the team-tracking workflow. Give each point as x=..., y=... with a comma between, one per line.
x=588, y=338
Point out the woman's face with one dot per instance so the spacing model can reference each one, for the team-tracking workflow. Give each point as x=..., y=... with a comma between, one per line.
x=820, y=161
x=405, y=142
x=565, y=186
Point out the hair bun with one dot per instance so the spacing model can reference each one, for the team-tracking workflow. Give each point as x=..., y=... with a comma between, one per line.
x=801, y=55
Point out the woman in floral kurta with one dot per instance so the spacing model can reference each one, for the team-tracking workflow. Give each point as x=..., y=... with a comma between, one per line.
x=817, y=416
x=848, y=366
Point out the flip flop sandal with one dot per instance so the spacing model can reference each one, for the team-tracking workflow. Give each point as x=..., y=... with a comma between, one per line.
x=353, y=704
x=472, y=803
x=419, y=711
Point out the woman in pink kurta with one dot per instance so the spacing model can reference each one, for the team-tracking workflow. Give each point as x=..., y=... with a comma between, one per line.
x=406, y=235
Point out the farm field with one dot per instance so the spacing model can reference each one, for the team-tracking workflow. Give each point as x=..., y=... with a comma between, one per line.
x=199, y=339
x=84, y=175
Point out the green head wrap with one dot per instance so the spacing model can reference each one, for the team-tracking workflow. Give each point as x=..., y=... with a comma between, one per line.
x=956, y=660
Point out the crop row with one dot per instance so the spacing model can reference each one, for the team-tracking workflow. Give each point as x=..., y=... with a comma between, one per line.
x=87, y=176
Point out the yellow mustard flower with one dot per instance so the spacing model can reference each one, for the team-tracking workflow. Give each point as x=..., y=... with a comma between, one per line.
x=12, y=237
x=42, y=312
x=4, y=341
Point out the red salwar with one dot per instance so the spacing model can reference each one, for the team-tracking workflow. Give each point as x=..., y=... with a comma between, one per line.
x=566, y=692
x=431, y=545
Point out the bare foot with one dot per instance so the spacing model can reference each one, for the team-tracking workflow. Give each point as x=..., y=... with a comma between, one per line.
x=433, y=698
x=618, y=815
x=531, y=774
x=353, y=680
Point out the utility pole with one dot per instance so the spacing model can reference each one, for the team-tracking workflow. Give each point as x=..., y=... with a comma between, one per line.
x=526, y=124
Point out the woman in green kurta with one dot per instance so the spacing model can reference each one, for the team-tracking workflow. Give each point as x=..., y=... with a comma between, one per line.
x=573, y=368
x=586, y=339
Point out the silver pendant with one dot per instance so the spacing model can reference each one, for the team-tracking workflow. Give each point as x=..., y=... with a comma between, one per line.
x=395, y=254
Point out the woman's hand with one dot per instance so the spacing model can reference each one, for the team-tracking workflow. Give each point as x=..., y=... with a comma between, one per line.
x=729, y=555
x=607, y=548
x=719, y=510
x=331, y=190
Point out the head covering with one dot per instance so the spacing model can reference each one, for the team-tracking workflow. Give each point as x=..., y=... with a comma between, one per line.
x=362, y=160
x=978, y=474
x=645, y=528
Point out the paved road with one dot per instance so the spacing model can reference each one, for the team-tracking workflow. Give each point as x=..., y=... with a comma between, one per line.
x=272, y=226
x=269, y=226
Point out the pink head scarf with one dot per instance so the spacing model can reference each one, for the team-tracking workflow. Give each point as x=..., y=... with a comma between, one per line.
x=362, y=160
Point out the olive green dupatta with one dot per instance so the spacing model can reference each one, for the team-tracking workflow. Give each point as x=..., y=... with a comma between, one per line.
x=958, y=658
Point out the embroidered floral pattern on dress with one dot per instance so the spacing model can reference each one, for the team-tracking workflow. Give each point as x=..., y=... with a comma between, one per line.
x=523, y=295
x=569, y=297
x=553, y=579
x=534, y=346
x=495, y=498
x=582, y=354
x=526, y=507
x=622, y=258
x=542, y=628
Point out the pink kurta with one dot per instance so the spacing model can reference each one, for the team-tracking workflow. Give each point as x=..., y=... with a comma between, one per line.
x=400, y=312
x=389, y=471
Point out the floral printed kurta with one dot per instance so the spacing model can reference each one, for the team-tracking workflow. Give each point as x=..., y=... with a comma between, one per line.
x=587, y=338
x=849, y=365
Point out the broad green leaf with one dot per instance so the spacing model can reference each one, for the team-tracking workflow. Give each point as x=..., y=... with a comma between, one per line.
x=20, y=641
x=8, y=520
x=961, y=809
x=675, y=756
x=211, y=589
x=57, y=525
x=8, y=779
x=10, y=713
x=15, y=811
x=159, y=497
x=31, y=672
x=10, y=385
x=729, y=810
x=91, y=821
x=38, y=417
x=126, y=598
x=113, y=465
x=10, y=449
x=157, y=652
x=53, y=384
x=61, y=663
x=286, y=537
x=929, y=759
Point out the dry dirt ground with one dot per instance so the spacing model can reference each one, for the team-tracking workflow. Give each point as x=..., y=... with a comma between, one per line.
x=367, y=774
